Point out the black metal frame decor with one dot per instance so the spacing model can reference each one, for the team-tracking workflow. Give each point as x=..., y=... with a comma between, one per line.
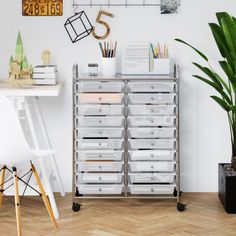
x=78, y=26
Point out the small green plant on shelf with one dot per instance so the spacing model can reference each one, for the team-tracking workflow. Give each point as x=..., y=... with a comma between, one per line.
x=225, y=37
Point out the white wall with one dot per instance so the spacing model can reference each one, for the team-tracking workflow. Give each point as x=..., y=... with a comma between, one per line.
x=204, y=131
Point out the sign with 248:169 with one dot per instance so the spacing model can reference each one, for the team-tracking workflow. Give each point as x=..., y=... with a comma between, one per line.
x=42, y=7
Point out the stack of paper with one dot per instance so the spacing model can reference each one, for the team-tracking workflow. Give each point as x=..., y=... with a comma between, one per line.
x=135, y=59
x=45, y=74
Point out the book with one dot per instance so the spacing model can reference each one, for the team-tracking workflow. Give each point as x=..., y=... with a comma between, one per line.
x=44, y=75
x=45, y=69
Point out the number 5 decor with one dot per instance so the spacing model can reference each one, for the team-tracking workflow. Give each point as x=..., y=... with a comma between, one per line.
x=42, y=8
x=98, y=20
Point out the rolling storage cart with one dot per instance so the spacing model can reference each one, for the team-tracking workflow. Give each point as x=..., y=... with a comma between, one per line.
x=126, y=138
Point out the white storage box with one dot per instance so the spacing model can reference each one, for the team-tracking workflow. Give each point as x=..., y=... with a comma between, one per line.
x=99, y=178
x=100, y=189
x=145, y=166
x=100, y=86
x=151, y=121
x=152, y=177
x=110, y=166
x=100, y=132
x=101, y=98
x=140, y=87
x=153, y=155
x=152, y=143
x=93, y=155
x=152, y=189
x=97, y=110
x=152, y=109
x=88, y=144
x=113, y=121
x=151, y=132
x=152, y=98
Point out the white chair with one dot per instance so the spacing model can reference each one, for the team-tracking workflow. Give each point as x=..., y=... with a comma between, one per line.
x=14, y=149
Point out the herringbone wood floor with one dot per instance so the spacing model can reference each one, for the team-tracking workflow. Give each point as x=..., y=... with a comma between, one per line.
x=204, y=216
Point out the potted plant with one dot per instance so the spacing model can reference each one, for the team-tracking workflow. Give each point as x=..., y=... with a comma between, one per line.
x=225, y=37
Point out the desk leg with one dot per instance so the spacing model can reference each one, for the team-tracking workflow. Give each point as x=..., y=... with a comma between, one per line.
x=47, y=183
x=49, y=146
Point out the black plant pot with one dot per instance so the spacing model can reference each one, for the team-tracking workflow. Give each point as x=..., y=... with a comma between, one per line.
x=227, y=189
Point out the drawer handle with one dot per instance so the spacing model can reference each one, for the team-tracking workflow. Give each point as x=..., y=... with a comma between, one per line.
x=152, y=121
x=152, y=144
x=100, y=190
x=152, y=167
x=100, y=87
x=100, y=99
x=152, y=110
x=100, y=178
x=100, y=167
x=152, y=155
x=152, y=133
x=100, y=110
x=152, y=87
x=152, y=190
x=100, y=132
x=100, y=122
x=100, y=156
x=152, y=98
x=100, y=144
x=152, y=179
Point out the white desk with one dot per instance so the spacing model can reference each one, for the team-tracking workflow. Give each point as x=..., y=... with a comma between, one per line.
x=25, y=97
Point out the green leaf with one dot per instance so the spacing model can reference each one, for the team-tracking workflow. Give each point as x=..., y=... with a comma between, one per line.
x=222, y=103
x=195, y=49
x=209, y=73
x=221, y=43
x=229, y=72
x=223, y=83
x=219, y=39
x=229, y=29
x=216, y=87
x=220, y=16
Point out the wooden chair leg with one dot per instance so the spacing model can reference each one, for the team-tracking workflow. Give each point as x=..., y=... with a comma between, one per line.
x=17, y=202
x=44, y=196
x=2, y=179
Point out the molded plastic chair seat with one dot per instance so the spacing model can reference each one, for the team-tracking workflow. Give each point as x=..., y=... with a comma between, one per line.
x=14, y=149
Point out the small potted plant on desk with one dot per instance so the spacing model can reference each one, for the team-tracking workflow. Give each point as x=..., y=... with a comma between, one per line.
x=225, y=37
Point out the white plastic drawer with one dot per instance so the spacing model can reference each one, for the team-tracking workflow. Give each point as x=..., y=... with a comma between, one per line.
x=100, y=110
x=152, y=189
x=148, y=166
x=101, y=98
x=99, y=144
x=152, y=110
x=110, y=166
x=137, y=87
x=99, y=178
x=100, y=86
x=100, y=189
x=100, y=132
x=109, y=155
x=152, y=155
x=151, y=121
x=152, y=98
x=152, y=143
x=152, y=177
x=151, y=132
x=111, y=121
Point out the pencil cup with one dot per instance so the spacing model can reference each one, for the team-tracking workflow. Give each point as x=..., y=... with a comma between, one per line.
x=109, y=66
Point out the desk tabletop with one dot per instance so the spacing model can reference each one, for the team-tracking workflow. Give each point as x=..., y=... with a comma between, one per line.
x=20, y=88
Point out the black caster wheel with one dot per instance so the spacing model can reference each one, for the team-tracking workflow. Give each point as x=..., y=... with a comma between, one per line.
x=76, y=207
x=180, y=207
